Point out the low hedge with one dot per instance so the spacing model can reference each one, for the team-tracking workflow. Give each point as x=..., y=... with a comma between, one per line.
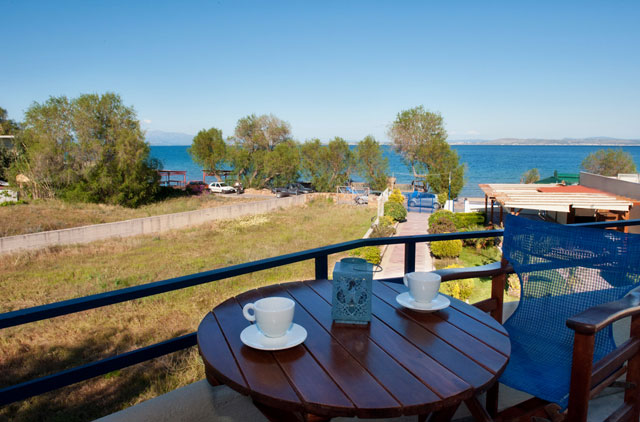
x=465, y=220
x=395, y=210
x=446, y=248
x=370, y=253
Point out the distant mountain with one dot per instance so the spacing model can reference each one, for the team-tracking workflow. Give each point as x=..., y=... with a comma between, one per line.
x=596, y=140
x=160, y=138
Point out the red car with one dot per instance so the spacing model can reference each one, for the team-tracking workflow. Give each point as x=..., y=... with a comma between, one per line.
x=196, y=187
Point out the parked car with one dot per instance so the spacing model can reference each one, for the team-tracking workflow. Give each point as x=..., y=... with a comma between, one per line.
x=290, y=189
x=220, y=187
x=362, y=199
x=299, y=187
x=196, y=187
x=423, y=200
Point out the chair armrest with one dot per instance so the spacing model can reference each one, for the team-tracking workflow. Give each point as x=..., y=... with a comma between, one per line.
x=488, y=270
x=597, y=317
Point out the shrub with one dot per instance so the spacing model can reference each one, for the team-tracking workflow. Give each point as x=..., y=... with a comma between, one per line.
x=442, y=226
x=442, y=198
x=446, y=248
x=396, y=196
x=382, y=231
x=440, y=215
x=395, y=210
x=370, y=253
x=513, y=285
x=386, y=221
x=460, y=289
x=465, y=220
x=478, y=243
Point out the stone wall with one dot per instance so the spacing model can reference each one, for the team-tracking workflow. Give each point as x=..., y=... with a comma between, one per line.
x=147, y=225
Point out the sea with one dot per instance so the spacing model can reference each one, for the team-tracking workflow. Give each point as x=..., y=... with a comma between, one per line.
x=484, y=163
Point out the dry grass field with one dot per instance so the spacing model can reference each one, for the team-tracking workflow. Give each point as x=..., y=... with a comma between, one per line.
x=34, y=278
x=52, y=214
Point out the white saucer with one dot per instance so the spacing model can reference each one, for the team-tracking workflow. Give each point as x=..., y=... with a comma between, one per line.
x=440, y=302
x=253, y=337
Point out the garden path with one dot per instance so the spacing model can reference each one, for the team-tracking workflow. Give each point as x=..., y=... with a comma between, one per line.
x=393, y=259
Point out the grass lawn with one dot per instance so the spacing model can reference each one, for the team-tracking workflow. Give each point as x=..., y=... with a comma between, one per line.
x=52, y=214
x=39, y=277
x=472, y=257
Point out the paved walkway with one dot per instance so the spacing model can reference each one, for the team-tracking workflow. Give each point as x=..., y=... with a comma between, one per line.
x=393, y=260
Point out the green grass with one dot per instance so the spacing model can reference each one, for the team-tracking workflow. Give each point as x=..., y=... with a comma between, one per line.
x=472, y=257
x=34, y=278
x=52, y=214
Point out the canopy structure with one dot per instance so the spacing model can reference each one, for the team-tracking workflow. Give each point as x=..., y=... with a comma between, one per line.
x=555, y=198
x=216, y=174
x=562, y=178
x=166, y=180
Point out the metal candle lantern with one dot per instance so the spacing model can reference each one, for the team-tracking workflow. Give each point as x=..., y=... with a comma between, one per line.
x=351, y=302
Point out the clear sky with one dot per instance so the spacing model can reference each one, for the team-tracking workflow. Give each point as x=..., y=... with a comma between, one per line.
x=345, y=68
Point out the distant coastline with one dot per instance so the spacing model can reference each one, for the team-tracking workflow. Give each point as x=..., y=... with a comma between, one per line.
x=594, y=141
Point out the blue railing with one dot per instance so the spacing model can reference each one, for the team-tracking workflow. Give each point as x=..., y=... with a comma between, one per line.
x=320, y=255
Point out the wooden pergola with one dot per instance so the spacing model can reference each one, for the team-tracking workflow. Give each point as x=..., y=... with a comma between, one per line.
x=555, y=198
x=173, y=182
x=216, y=174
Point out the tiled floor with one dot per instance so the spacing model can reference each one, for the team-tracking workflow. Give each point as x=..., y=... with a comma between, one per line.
x=393, y=261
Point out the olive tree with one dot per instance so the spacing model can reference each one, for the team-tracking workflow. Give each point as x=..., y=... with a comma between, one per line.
x=329, y=165
x=90, y=149
x=371, y=164
x=609, y=162
x=419, y=136
x=530, y=176
x=209, y=150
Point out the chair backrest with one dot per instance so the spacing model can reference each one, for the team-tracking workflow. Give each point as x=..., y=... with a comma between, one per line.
x=563, y=271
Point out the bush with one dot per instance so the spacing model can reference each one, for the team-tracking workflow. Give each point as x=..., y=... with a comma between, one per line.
x=440, y=215
x=442, y=226
x=442, y=198
x=396, y=196
x=446, y=248
x=370, y=253
x=395, y=210
x=465, y=220
x=382, y=231
x=460, y=289
x=386, y=221
x=478, y=243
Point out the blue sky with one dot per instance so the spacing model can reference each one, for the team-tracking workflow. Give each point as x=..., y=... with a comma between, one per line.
x=343, y=68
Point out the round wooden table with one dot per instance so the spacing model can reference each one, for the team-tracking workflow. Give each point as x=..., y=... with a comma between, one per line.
x=402, y=363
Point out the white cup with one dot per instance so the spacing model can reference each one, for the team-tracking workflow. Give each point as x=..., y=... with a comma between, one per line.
x=273, y=315
x=423, y=287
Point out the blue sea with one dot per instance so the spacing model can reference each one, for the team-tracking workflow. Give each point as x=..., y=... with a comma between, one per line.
x=485, y=163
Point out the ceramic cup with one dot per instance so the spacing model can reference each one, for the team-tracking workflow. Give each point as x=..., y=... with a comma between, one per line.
x=423, y=287
x=273, y=315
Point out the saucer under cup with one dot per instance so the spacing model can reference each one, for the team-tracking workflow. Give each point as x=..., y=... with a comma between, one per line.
x=272, y=315
x=423, y=286
x=253, y=337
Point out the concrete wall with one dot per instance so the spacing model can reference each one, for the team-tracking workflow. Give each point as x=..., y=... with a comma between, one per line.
x=147, y=225
x=612, y=185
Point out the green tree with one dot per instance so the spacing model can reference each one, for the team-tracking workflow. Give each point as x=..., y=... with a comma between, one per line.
x=9, y=151
x=329, y=165
x=7, y=126
x=609, y=162
x=414, y=128
x=371, y=164
x=530, y=176
x=87, y=149
x=210, y=150
x=419, y=136
x=261, y=132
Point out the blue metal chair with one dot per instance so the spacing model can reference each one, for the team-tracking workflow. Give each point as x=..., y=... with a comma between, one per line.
x=575, y=282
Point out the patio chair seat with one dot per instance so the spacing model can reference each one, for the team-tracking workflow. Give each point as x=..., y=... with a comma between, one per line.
x=563, y=271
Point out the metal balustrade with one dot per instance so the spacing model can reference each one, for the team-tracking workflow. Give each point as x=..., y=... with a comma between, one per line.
x=320, y=255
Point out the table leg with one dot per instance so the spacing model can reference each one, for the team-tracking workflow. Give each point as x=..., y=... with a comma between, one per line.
x=278, y=415
x=444, y=415
x=477, y=411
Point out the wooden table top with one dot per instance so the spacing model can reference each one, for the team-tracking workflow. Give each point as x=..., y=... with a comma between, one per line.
x=402, y=363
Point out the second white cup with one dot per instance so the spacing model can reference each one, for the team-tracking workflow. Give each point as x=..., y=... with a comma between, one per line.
x=423, y=286
x=273, y=315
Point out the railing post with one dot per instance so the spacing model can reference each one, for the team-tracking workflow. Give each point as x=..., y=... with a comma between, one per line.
x=409, y=257
x=322, y=267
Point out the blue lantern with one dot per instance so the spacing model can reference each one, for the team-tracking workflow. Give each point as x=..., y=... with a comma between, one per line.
x=351, y=302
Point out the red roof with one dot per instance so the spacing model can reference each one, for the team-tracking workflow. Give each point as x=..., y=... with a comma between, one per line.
x=572, y=189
